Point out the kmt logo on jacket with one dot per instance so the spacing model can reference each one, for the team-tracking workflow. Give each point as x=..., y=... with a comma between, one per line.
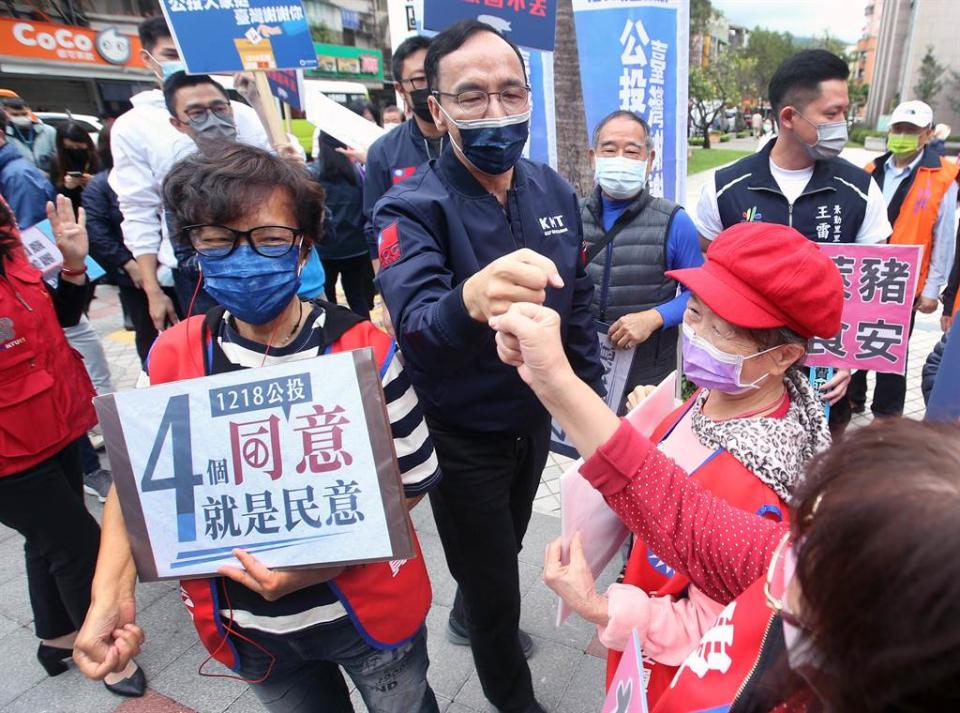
x=752, y=215
x=402, y=174
x=553, y=225
x=388, y=245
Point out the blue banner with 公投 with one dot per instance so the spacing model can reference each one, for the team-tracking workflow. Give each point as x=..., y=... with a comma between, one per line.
x=633, y=56
x=529, y=23
x=235, y=35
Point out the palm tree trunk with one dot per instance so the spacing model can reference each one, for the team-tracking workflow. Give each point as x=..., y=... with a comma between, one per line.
x=573, y=161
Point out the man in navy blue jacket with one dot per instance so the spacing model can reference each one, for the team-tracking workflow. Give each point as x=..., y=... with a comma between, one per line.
x=395, y=156
x=460, y=241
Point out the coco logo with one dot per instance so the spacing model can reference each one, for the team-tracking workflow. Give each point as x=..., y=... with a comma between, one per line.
x=64, y=38
x=112, y=46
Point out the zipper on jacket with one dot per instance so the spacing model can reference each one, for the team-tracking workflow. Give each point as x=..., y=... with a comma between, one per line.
x=22, y=301
x=790, y=215
x=756, y=664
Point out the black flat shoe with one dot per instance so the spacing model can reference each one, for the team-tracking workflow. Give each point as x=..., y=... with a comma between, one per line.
x=52, y=659
x=133, y=686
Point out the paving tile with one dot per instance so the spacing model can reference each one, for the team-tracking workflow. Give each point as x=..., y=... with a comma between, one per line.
x=154, y=702
x=182, y=682
x=21, y=671
x=69, y=692
x=450, y=665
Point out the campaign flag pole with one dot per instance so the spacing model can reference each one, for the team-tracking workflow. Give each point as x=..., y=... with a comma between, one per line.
x=271, y=115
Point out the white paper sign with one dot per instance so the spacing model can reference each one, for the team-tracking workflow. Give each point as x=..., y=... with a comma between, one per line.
x=278, y=461
x=583, y=508
x=341, y=123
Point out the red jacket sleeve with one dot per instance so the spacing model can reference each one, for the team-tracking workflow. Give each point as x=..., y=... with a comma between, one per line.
x=722, y=549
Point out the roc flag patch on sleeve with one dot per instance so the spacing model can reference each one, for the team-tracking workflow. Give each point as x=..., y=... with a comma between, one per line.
x=388, y=245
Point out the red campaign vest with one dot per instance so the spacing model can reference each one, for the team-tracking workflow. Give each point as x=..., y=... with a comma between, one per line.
x=45, y=392
x=723, y=475
x=719, y=668
x=387, y=603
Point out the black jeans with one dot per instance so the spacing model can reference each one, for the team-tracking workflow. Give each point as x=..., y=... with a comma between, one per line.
x=890, y=393
x=357, y=277
x=482, y=508
x=45, y=505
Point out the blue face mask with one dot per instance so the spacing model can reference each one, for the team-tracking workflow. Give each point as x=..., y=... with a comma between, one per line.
x=493, y=145
x=168, y=67
x=254, y=288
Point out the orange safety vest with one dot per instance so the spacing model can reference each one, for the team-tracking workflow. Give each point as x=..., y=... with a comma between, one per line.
x=386, y=601
x=725, y=476
x=917, y=215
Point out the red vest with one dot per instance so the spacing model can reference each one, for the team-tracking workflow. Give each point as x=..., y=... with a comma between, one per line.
x=387, y=605
x=726, y=477
x=46, y=394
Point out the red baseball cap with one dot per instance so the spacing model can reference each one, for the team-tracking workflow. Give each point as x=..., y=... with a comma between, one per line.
x=763, y=275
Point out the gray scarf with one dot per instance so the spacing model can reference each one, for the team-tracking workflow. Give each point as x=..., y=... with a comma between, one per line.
x=773, y=449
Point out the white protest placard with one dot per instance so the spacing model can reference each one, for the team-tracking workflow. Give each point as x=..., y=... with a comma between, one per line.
x=293, y=463
x=341, y=123
x=583, y=508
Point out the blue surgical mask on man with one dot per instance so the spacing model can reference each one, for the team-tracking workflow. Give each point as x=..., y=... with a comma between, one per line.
x=168, y=67
x=254, y=288
x=493, y=146
x=620, y=177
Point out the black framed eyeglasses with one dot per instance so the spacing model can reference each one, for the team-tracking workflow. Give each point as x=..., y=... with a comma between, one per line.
x=221, y=109
x=218, y=241
x=474, y=102
x=419, y=82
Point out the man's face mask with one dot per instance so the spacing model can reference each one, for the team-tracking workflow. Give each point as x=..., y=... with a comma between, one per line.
x=215, y=126
x=168, y=67
x=21, y=122
x=621, y=177
x=903, y=144
x=418, y=99
x=831, y=138
x=493, y=146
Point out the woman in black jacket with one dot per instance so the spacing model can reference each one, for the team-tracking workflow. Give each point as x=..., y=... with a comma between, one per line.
x=345, y=254
x=107, y=248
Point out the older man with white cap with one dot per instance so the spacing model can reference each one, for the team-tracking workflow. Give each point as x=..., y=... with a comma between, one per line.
x=920, y=190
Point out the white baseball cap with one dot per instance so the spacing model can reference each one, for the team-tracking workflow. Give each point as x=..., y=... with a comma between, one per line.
x=913, y=112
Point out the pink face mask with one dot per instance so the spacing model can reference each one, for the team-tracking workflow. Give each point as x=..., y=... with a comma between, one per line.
x=712, y=368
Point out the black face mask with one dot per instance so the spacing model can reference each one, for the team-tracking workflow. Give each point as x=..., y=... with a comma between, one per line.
x=420, y=106
x=76, y=159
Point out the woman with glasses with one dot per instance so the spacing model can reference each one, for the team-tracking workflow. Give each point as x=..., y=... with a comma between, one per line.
x=252, y=217
x=854, y=605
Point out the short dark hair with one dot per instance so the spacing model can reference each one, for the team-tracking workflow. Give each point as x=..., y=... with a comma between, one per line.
x=797, y=80
x=151, y=31
x=178, y=80
x=14, y=103
x=232, y=179
x=404, y=50
x=624, y=113
x=452, y=39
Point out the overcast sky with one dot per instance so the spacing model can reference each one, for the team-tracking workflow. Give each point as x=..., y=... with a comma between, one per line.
x=802, y=18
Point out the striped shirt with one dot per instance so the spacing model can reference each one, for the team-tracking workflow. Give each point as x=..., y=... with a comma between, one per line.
x=419, y=470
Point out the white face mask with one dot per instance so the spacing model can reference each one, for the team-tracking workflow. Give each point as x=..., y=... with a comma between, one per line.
x=23, y=122
x=621, y=177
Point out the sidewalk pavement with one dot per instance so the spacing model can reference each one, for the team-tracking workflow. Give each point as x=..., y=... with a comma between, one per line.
x=568, y=665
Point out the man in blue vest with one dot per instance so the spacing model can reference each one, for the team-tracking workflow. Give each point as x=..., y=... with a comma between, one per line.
x=395, y=156
x=471, y=233
x=631, y=240
x=799, y=179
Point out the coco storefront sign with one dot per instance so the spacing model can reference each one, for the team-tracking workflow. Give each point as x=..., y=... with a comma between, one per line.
x=66, y=43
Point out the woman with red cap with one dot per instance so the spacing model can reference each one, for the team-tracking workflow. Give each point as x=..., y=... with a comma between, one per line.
x=816, y=609
x=745, y=435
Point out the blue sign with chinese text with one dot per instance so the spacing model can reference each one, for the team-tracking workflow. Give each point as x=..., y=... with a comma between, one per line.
x=528, y=23
x=287, y=86
x=236, y=35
